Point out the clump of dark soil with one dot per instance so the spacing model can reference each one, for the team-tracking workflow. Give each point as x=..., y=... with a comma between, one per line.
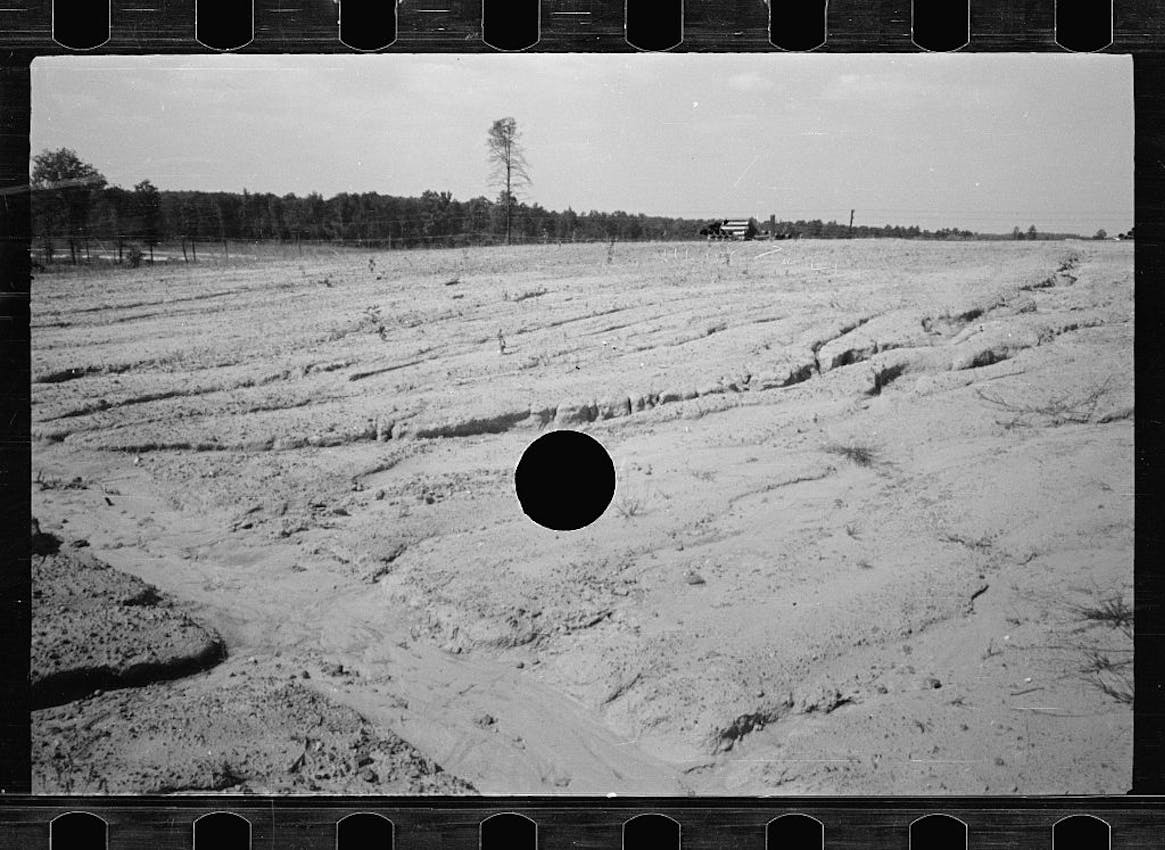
x=95, y=627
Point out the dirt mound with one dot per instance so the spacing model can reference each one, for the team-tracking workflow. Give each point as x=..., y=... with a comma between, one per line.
x=96, y=627
x=188, y=737
x=264, y=730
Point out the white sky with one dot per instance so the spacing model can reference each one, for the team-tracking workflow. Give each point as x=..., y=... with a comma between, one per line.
x=978, y=141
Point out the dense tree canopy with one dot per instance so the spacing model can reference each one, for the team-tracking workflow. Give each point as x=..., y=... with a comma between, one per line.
x=66, y=187
x=73, y=205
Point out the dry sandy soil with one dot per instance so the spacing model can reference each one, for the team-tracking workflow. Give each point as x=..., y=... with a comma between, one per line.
x=873, y=529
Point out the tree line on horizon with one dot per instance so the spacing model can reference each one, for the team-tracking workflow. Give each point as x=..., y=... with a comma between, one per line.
x=73, y=206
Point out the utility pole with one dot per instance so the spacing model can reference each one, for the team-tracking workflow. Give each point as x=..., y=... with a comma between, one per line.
x=851, y=224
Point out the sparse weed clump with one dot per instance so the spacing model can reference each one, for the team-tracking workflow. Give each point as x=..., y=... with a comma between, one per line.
x=1106, y=667
x=629, y=506
x=1111, y=610
x=859, y=454
x=1110, y=675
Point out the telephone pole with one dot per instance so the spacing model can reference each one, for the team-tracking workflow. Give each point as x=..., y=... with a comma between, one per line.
x=851, y=224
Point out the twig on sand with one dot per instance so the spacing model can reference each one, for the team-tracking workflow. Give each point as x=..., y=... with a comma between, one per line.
x=1026, y=691
x=766, y=253
x=1060, y=410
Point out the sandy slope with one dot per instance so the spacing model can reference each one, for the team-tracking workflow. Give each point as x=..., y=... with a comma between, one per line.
x=868, y=494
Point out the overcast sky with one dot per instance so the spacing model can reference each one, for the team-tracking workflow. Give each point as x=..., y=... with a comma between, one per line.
x=978, y=141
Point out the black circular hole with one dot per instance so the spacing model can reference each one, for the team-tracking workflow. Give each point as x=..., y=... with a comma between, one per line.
x=565, y=480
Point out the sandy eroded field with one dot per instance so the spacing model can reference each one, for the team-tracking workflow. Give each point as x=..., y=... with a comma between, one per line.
x=873, y=530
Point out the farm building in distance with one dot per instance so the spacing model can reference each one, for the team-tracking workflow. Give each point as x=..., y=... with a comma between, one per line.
x=735, y=229
x=747, y=229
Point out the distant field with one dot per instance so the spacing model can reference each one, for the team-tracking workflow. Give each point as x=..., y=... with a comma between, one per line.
x=868, y=494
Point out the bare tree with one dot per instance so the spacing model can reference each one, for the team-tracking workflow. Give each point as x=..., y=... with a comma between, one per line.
x=508, y=163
